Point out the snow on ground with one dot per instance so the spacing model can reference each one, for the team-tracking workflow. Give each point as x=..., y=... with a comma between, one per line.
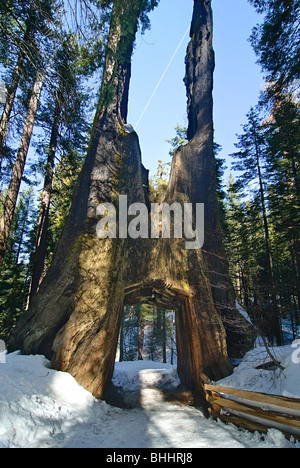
x=43, y=408
x=274, y=381
x=145, y=374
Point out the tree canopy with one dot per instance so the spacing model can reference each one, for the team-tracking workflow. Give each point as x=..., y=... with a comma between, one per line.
x=277, y=41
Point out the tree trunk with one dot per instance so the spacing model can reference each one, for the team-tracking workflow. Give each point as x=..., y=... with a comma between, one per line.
x=9, y=104
x=17, y=73
x=295, y=261
x=276, y=315
x=18, y=169
x=20, y=243
x=43, y=223
x=172, y=343
x=122, y=338
x=164, y=340
x=75, y=318
x=141, y=338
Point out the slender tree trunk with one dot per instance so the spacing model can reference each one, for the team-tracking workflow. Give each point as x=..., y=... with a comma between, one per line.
x=295, y=172
x=295, y=260
x=17, y=73
x=122, y=337
x=20, y=243
x=172, y=342
x=292, y=308
x=43, y=224
x=276, y=319
x=18, y=169
x=164, y=330
x=142, y=338
x=9, y=104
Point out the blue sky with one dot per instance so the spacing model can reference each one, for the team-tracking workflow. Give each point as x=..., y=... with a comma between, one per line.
x=237, y=79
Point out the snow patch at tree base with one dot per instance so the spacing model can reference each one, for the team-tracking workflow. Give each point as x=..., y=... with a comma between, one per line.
x=43, y=408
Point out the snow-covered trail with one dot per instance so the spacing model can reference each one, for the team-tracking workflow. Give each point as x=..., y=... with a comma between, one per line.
x=168, y=426
x=43, y=408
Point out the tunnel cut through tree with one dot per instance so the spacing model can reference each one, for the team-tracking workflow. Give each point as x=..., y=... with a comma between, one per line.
x=75, y=318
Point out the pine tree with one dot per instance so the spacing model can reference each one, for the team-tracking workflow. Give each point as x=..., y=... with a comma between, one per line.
x=19, y=166
x=147, y=332
x=179, y=140
x=251, y=159
x=65, y=114
x=159, y=182
x=15, y=276
x=276, y=42
x=27, y=30
x=284, y=176
x=36, y=22
x=220, y=188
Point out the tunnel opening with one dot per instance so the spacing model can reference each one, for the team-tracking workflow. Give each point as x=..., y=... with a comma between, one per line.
x=148, y=344
x=148, y=326
x=153, y=337
x=148, y=333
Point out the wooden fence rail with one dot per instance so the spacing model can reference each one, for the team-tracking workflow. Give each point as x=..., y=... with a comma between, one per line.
x=254, y=411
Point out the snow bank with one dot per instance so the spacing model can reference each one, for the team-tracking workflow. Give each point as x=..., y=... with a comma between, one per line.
x=43, y=408
x=274, y=381
x=40, y=407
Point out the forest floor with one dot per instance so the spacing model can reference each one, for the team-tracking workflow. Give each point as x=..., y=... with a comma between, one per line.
x=43, y=408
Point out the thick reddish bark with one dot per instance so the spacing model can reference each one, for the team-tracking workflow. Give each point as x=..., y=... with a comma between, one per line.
x=18, y=169
x=75, y=318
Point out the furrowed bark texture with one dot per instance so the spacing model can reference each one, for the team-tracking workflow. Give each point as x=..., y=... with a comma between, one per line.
x=19, y=166
x=75, y=318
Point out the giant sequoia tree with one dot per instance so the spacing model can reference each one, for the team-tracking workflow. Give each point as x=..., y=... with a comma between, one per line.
x=75, y=317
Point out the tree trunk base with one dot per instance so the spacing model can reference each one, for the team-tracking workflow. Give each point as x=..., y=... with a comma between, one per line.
x=76, y=316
